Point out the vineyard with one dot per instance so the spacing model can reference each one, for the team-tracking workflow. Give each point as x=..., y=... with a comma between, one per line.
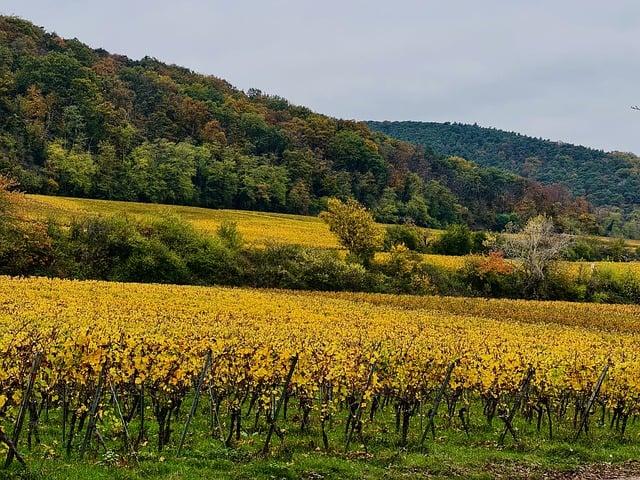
x=257, y=228
x=147, y=364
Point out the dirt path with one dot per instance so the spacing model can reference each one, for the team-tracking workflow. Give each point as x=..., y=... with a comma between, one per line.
x=626, y=471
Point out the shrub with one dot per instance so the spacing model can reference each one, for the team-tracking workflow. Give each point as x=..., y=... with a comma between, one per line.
x=94, y=247
x=25, y=245
x=326, y=270
x=408, y=235
x=456, y=240
x=230, y=236
x=154, y=262
x=490, y=276
x=212, y=262
x=406, y=272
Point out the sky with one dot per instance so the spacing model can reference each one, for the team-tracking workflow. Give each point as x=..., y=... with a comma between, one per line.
x=564, y=69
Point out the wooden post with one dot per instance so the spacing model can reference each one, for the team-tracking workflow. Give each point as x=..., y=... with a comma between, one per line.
x=514, y=408
x=127, y=442
x=272, y=426
x=21, y=413
x=196, y=399
x=436, y=402
x=4, y=438
x=592, y=399
x=355, y=421
x=94, y=410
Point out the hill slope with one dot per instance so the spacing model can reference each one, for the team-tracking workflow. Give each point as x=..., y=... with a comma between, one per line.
x=257, y=228
x=78, y=121
x=604, y=178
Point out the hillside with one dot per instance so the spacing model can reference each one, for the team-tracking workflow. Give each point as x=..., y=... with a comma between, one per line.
x=257, y=228
x=604, y=178
x=78, y=121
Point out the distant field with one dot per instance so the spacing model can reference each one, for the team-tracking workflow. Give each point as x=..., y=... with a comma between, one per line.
x=256, y=227
x=617, y=269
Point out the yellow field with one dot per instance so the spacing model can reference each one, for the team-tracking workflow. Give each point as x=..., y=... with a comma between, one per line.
x=617, y=269
x=257, y=228
x=158, y=335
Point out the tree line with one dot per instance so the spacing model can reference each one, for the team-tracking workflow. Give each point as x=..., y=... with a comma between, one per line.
x=79, y=121
x=608, y=180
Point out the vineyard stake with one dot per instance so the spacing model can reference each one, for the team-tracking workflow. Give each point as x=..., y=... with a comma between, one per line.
x=436, y=403
x=94, y=409
x=141, y=408
x=356, y=420
x=12, y=448
x=23, y=408
x=592, y=399
x=119, y=411
x=65, y=411
x=194, y=405
x=285, y=388
x=516, y=405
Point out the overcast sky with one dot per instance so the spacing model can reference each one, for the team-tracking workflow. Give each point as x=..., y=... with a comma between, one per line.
x=561, y=69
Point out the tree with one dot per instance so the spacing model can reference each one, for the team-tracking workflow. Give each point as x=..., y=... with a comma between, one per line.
x=355, y=228
x=388, y=208
x=299, y=198
x=537, y=247
x=417, y=212
x=263, y=186
x=217, y=179
x=352, y=152
x=164, y=171
x=72, y=170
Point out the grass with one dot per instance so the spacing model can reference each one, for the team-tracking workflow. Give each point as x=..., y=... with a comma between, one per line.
x=452, y=454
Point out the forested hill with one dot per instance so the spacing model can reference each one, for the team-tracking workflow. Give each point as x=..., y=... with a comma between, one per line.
x=83, y=122
x=604, y=178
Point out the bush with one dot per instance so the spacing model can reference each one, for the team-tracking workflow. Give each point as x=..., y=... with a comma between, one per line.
x=212, y=262
x=94, y=247
x=230, y=236
x=406, y=272
x=490, y=276
x=606, y=286
x=174, y=232
x=25, y=245
x=326, y=270
x=276, y=266
x=296, y=267
x=410, y=236
x=584, y=249
x=153, y=262
x=25, y=249
x=166, y=250
x=593, y=250
x=456, y=240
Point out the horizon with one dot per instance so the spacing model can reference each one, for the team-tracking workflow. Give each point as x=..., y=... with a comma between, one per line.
x=559, y=105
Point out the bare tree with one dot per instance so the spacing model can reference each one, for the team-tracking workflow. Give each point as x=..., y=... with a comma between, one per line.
x=537, y=247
